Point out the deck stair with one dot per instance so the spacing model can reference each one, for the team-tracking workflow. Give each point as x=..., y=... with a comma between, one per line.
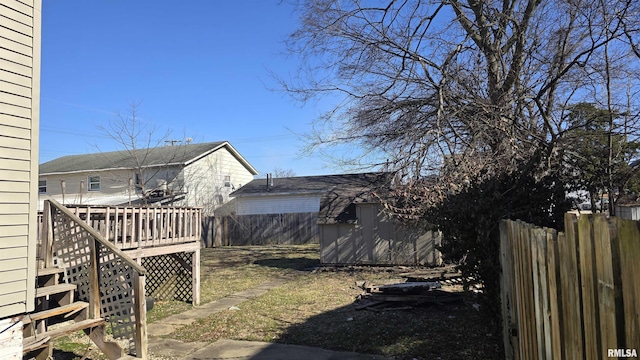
x=58, y=314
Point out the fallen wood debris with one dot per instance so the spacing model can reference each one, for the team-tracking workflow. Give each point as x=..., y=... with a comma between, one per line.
x=404, y=296
x=446, y=275
x=404, y=288
x=441, y=274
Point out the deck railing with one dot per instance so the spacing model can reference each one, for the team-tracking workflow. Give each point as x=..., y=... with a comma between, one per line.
x=109, y=280
x=132, y=227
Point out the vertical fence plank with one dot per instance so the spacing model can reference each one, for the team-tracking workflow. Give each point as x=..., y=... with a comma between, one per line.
x=537, y=323
x=605, y=284
x=530, y=294
x=565, y=295
x=629, y=251
x=555, y=316
x=570, y=284
x=588, y=287
x=520, y=296
x=544, y=336
x=506, y=295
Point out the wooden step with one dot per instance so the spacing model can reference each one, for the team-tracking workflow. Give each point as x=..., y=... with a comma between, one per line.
x=35, y=342
x=54, y=289
x=50, y=271
x=45, y=314
x=49, y=276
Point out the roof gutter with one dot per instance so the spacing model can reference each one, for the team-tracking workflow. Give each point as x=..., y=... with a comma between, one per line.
x=108, y=169
x=309, y=192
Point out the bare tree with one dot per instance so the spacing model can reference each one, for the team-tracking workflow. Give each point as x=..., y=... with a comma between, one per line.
x=279, y=172
x=482, y=85
x=138, y=139
x=158, y=166
x=469, y=101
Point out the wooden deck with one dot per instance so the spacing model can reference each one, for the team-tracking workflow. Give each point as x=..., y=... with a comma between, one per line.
x=142, y=231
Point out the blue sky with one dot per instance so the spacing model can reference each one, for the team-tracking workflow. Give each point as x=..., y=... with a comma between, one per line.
x=201, y=69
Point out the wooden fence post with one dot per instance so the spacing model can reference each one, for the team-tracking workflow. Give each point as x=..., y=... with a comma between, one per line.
x=46, y=236
x=94, y=279
x=140, y=312
x=195, y=273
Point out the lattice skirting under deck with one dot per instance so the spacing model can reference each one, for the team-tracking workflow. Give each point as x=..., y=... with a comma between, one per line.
x=169, y=277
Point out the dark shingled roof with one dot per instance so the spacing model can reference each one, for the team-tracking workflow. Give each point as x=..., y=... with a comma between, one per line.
x=158, y=156
x=339, y=193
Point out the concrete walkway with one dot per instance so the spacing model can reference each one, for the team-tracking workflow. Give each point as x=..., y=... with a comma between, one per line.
x=160, y=348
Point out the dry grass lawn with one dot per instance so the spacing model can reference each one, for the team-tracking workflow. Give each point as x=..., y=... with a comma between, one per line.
x=316, y=308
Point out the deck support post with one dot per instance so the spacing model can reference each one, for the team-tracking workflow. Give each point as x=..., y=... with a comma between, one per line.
x=195, y=272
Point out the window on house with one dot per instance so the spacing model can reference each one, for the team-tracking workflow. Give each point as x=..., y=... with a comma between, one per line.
x=42, y=186
x=94, y=183
x=227, y=181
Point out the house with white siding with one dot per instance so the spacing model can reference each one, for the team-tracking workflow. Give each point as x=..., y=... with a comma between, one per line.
x=20, y=24
x=200, y=175
x=287, y=210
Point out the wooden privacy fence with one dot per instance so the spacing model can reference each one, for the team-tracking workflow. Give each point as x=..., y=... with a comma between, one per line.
x=264, y=229
x=571, y=295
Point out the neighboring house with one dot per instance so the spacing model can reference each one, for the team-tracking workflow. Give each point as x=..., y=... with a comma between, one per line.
x=281, y=210
x=628, y=211
x=341, y=212
x=19, y=134
x=186, y=175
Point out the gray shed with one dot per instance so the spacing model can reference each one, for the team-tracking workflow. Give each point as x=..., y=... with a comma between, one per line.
x=354, y=229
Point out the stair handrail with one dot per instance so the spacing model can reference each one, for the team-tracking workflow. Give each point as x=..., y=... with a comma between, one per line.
x=139, y=272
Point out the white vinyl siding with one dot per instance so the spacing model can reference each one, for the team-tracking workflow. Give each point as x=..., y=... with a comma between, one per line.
x=278, y=204
x=210, y=180
x=19, y=129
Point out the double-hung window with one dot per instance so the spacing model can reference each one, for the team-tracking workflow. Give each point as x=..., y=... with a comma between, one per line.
x=94, y=183
x=42, y=186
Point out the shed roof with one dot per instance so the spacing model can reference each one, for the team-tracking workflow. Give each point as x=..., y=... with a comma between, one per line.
x=130, y=159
